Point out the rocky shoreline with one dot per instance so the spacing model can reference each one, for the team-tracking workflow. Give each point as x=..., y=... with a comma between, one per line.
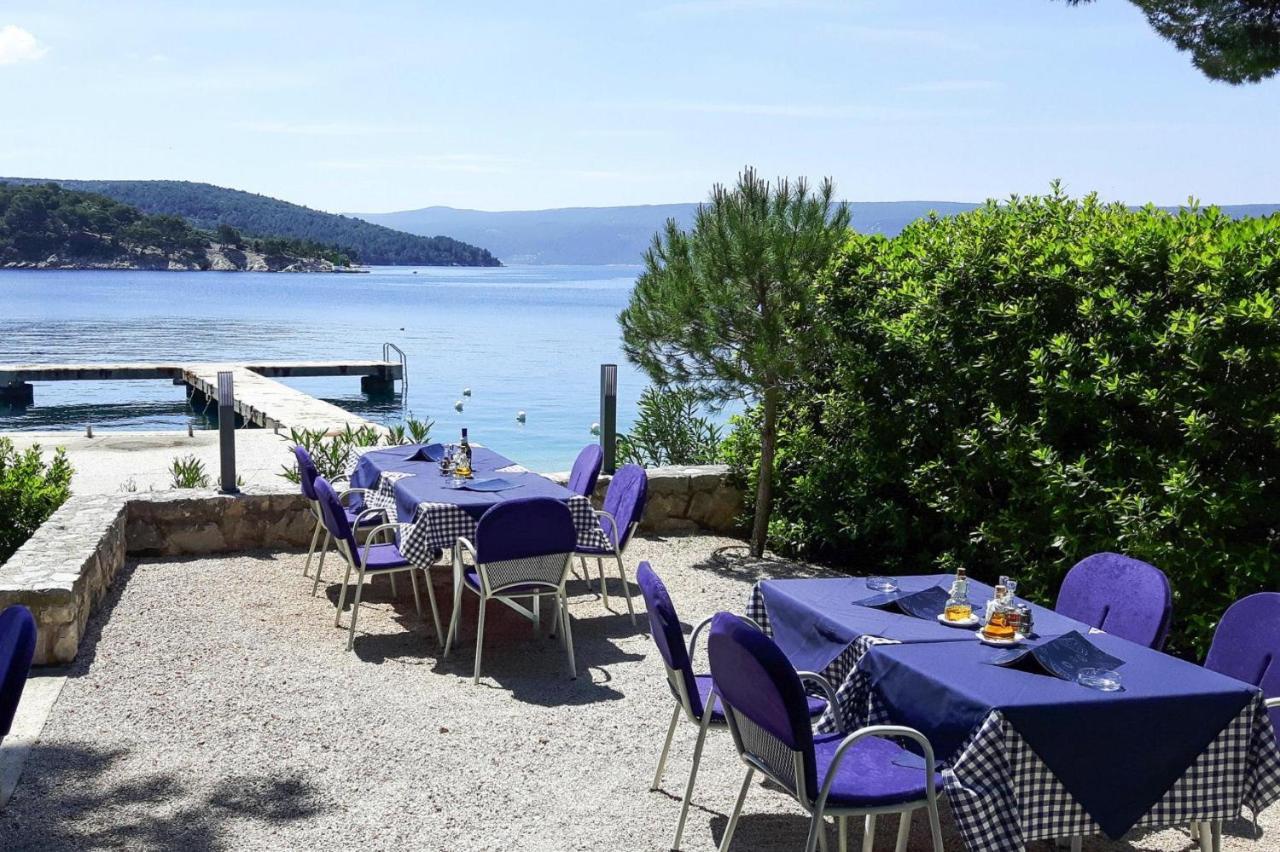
x=218, y=258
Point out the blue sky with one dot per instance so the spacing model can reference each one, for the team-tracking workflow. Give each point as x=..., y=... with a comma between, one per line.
x=381, y=106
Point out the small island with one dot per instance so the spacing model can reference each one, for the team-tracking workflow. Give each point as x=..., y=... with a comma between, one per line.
x=48, y=227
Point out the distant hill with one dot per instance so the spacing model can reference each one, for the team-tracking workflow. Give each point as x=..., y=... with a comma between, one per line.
x=48, y=226
x=207, y=206
x=606, y=235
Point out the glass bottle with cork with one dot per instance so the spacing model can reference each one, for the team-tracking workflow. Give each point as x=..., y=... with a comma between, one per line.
x=1001, y=623
x=958, y=606
x=463, y=465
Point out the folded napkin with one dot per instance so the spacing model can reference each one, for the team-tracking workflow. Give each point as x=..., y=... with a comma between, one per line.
x=927, y=603
x=428, y=453
x=1062, y=657
x=496, y=483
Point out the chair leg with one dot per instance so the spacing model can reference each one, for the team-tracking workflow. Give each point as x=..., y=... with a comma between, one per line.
x=869, y=833
x=817, y=838
x=568, y=634
x=935, y=825
x=324, y=549
x=315, y=537
x=586, y=575
x=536, y=606
x=842, y=828
x=1077, y=843
x=693, y=773
x=604, y=590
x=666, y=747
x=822, y=835
x=475, y=677
x=626, y=589
x=355, y=611
x=431, y=599
x=417, y=598
x=342, y=596
x=737, y=809
x=392, y=577
x=904, y=831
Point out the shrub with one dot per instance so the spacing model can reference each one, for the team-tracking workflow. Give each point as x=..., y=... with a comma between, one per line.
x=30, y=491
x=188, y=472
x=1017, y=387
x=334, y=454
x=670, y=429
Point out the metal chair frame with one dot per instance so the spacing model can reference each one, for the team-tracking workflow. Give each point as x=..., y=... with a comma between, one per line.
x=617, y=555
x=488, y=592
x=328, y=537
x=359, y=563
x=1207, y=833
x=817, y=806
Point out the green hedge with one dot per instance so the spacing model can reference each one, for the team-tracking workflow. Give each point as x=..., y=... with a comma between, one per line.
x=1017, y=387
x=30, y=491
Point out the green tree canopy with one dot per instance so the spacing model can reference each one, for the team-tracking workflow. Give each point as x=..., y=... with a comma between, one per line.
x=725, y=308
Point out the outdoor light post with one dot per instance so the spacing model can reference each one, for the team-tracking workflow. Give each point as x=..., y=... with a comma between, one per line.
x=609, y=415
x=227, y=432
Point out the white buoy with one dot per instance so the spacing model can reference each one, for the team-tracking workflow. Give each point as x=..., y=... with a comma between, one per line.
x=466, y=391
x=519, y=416
x=595, y=428
x=457, y=406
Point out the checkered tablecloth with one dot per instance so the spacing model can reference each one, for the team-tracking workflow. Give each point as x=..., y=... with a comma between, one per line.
x=1003, y=795
x=437, y=526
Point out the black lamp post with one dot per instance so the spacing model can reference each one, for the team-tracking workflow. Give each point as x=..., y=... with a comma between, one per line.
x=227, y=432
x=609, y=415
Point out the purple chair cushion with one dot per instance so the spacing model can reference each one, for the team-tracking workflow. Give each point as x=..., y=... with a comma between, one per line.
x=383, y=557
x=625, y=500
x=332, y=513
x=17, y=648
x=1246, y=645
x=586, y=470
x=1120, y=595
x=307, y=472
x=755, y=678
x=664, y=625
x=867, y=777
x=817, y=706
x=524, y=528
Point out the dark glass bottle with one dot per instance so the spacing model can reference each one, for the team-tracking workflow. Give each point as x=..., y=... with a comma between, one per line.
x=466, y=446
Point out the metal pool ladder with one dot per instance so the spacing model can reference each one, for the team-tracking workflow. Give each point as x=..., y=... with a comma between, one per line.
x=387, y=349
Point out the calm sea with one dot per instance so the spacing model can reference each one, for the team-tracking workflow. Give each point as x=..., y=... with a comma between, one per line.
x=522, y=338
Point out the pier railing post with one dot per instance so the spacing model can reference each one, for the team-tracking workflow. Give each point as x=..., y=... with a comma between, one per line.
x=227, y=431
x=609, y=416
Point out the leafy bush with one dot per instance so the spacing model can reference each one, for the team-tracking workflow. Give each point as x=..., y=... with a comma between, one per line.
x=188, y=472
x=670, y=429
x=1015, y=388
x=30, y=491
x=334, y=454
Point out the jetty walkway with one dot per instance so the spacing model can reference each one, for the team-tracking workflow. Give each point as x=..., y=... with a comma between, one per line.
x=258, y=399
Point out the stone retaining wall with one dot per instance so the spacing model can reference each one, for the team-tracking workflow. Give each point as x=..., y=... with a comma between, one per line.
x=64, y=570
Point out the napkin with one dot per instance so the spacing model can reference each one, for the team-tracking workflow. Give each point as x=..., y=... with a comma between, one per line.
x=1062, y=657
x=429, y=453
x=928, y=603
x=496, y=483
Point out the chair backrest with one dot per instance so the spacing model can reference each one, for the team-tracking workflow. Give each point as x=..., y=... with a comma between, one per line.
x=17, y=647
x=667, y=635
x=586, y=470
x=764, y=701
x=527, y=540
x=1121, y=595
x=1246, y=645
x=625, y=499
x=333, y=516
x=307, y=472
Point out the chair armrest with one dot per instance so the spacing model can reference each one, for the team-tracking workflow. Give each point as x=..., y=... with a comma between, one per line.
x=1272, y=703
x=348, y=492
x=465, y=544
x=693, y=637
x=613, y=527
x=879, y=731
x=373, y=534
x=368, y=513
x=828, y=691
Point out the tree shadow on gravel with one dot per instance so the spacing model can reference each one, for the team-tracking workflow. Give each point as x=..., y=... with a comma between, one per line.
x=736, y=563
x=62, y=803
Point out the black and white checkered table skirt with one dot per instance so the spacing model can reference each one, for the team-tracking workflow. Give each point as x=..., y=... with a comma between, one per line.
x=1002, y=794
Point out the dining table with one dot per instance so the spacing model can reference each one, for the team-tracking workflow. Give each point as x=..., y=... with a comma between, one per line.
x=1026, y=751
x=435, y=510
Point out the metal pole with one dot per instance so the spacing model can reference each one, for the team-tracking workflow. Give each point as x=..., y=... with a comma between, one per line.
x=227, y=432
x=609, y=415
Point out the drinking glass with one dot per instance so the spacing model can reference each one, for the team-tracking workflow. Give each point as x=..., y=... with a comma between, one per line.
x=1103, y=680
x=1011, y=585
x=882, y=584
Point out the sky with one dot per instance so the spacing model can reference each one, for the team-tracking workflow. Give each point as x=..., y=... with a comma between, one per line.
x=382, y=106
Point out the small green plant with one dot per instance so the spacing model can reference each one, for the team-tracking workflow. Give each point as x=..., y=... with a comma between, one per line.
x=129, y=486
x=334, y=454
x=670, y=429
x=188, y=472
x=30, y=491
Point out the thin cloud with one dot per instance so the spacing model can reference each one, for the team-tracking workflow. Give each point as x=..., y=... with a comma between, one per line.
x=18, y=45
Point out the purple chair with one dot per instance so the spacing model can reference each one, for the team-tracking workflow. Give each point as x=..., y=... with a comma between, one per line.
x=307, y=475
x=623, y=507
x=17, y=647
x=861, y=774
x=371, y=560
x=523, y=549
x=692, y=691
x=1120, y=595
x=586, y=470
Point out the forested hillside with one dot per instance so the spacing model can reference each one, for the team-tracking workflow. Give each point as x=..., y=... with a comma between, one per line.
x=207, y=206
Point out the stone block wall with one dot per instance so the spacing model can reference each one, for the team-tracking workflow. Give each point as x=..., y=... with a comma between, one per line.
x=65, y=569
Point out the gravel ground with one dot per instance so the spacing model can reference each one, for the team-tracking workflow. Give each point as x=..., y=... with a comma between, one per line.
x=214, y=707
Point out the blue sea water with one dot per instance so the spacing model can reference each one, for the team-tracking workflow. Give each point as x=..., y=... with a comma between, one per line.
x=528, y=338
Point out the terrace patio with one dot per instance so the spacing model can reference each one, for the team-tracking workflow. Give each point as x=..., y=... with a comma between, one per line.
x=212, y=705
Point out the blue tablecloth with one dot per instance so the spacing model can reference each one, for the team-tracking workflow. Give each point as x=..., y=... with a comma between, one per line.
x=1117, y=753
